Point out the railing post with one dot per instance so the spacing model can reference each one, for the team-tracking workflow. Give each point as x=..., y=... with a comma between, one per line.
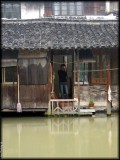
x=52, y=109
x=49, y=108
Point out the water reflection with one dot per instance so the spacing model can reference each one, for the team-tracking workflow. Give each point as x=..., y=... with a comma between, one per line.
x=60, y=137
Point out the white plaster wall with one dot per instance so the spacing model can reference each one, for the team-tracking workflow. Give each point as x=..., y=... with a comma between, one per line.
x=111, y=6
x=107, y=6
x=32, y=10
x=114, y=6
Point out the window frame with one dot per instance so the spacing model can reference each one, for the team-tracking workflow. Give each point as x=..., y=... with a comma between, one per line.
x=83, y=83
x=60, y=4
x=92, y=80
x=12, y=12
x=100, y=80
x=3, y=74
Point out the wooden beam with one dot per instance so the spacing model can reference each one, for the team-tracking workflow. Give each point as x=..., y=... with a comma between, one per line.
x=63, y=100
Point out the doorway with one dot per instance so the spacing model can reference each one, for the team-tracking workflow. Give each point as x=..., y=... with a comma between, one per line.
x=59, y=59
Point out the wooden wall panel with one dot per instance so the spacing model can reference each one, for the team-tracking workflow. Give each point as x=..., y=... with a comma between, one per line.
x=8, y=96
x=31, y=96
x=34, y=93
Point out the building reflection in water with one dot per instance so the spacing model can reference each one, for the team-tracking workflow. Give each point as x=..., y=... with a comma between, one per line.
x=60, y=137
x=19, y=130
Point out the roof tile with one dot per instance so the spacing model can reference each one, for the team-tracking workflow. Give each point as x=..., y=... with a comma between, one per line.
x=59, y=34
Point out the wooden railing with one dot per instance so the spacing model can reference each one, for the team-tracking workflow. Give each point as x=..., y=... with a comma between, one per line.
x=68, y=106
x=62, y=106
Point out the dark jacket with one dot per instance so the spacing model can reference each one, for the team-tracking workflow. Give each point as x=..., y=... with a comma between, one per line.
x=62, y=76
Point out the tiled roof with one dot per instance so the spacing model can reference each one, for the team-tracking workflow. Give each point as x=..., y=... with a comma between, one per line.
x=52, y=33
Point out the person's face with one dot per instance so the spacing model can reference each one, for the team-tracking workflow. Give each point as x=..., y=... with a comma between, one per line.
x=64, y=68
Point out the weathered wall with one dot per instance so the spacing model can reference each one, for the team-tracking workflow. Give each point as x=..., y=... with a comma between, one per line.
x=8, y=96
x=115, y=96
x=36, y=95
x=114, y=6
x=97, y=93
x=31, y=96
x=114, y=64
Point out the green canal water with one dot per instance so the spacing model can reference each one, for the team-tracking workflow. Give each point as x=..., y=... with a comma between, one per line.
x=60, y=137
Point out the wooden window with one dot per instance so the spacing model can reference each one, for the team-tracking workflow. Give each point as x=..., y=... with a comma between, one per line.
x=84, y=73
x=68, y=8
x=11, y=10
x=9, y=74
x=89, y=8
x=72, y=9
x=85, y=59
x=99, y=77
x=48, y=8
x=94, y=8
x=63, y=8
x=57, y=8
x=79, y=8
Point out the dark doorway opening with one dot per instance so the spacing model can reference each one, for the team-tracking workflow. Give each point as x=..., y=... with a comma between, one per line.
x=58, y=58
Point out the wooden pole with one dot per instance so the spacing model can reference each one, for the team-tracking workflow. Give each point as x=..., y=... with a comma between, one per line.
x=108, y=79
x=53, y=76
x=108, y=90
x=19, y=108
x=78, y=79
x=18, y=89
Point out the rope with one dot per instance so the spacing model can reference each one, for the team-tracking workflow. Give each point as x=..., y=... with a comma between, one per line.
x=60, y=62
x=96, y=70
x=87, y=70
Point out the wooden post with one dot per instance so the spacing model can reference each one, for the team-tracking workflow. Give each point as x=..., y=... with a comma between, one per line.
x=19, y=108
x=18, y=90
x=108, y=85
x=78, y=79
x=51, y=74
x=52, y=79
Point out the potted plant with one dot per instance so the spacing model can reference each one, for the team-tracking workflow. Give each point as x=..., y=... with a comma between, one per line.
x=91, y=103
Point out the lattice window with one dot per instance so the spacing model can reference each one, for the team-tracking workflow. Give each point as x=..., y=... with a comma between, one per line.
x=9, y=74
x=100, y=76
x=11, y=10
x=68, y=8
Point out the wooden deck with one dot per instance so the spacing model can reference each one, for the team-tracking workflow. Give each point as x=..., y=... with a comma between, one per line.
x=67, y=106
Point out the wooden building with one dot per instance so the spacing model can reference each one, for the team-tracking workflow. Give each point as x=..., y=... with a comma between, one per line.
x=34, y=49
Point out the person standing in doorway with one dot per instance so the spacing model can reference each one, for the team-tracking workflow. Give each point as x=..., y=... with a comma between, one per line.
x=62, y=74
